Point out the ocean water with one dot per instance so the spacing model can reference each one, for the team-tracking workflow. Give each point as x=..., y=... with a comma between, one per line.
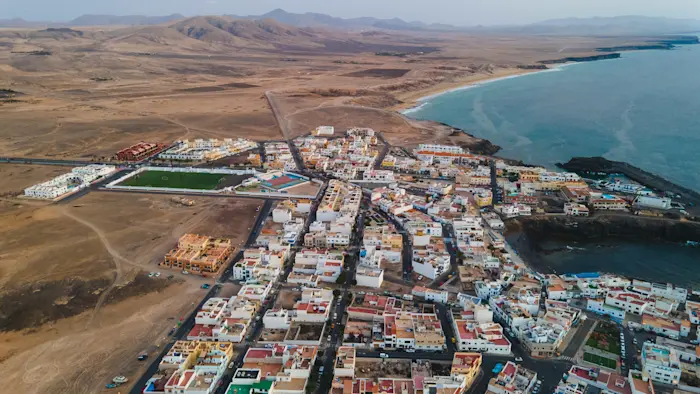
x=643, y=108
x=654, y=262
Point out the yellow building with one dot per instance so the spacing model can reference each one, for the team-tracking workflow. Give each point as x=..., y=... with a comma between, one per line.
x=483, y=199
x=529, y=176
x=467, y=365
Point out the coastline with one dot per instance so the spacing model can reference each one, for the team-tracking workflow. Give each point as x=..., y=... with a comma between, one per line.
x=414, y=100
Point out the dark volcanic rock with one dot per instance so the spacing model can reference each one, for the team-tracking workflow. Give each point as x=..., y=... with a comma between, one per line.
x=606, y=228
x=591, y=58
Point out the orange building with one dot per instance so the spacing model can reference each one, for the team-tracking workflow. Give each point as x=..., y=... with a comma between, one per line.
x=199, y=254
x=467, y=365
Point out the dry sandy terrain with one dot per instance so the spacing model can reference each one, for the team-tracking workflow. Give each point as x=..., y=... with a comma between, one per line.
x=72, y=277
x=17, y=177
x=99, y=91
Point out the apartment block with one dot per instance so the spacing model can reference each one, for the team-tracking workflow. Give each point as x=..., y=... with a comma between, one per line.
x=466, y=365
x=665, y=290
x=661, y=363
x=280, y=369
x=325, y=264
x=221, y=319
x=512, y=379
x=139, y=151
x=608, y=202
x=599, y=306
x=473, y=309
x=191, y=367
x=211, y=149
x=486, y=337
x=369, y=277
x=430, y=294
x=78, y=179
x=413, y=330
x=199, y=254
x=542, y=337
x=581, y=380
x=661, y=326
x=510, y=312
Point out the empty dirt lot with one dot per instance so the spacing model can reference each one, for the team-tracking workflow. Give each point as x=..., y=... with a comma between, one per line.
x=17, y=177
x=76, y=306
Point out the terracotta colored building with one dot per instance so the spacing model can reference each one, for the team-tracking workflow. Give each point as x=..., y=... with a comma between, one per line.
x=139, y=151
x=199, y=254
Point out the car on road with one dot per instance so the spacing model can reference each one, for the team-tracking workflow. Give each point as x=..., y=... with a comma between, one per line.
x=518, y=359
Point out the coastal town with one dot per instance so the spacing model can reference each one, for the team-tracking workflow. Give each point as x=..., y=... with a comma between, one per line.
x=374, y=268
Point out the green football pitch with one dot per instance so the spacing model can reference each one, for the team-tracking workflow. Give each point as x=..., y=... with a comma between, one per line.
x=176, y=180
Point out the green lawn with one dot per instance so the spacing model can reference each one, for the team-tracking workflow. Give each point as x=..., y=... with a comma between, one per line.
x=602, y=361
x=175, y=180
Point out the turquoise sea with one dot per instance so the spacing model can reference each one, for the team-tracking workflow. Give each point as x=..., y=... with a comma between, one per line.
x=643, y=108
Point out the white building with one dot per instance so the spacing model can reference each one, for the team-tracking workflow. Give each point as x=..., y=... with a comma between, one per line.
x=665, y=290
x=661, y=364
x=472, y=336
x=378, y=176
x=369, y=277
x=652, y=202
x=79, y=178
x=629, y=302
x=281, y=215
x=486, y=290
x=324, y=130
x=431, y=266
x=598, y=305
x=575, y=209
x=473, y=309
x=440, y=148
x=430, y=294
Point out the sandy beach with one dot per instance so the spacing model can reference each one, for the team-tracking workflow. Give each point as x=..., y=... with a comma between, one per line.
x=413, y=99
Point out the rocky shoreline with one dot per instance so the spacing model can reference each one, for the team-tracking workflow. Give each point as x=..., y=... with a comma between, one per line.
x=588, y=165
x=599, y=228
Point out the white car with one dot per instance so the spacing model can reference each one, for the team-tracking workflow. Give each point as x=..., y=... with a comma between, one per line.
x=518, y=359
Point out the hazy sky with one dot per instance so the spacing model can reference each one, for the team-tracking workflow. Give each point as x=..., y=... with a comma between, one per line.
x=458, y=12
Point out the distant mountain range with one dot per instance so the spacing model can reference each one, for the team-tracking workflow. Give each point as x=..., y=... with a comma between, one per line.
x=311, y=19
x=129, y=20
x=621, y=25
x=94, y=20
